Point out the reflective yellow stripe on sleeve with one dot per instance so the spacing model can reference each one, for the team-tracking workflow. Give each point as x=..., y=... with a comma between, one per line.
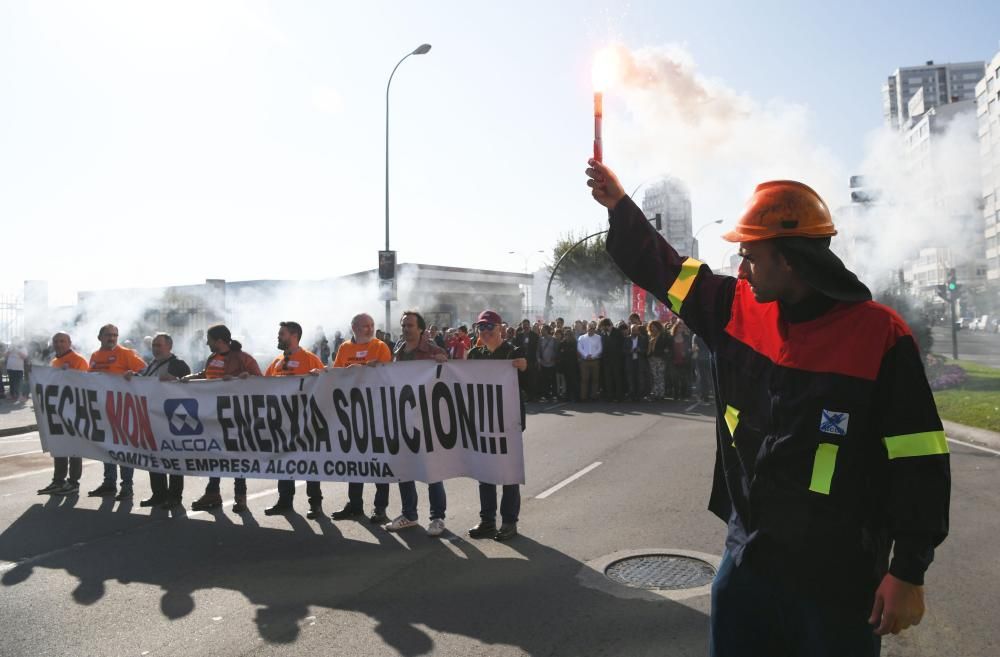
x=732, y=418
x=823, y=465
x=682, y=286
x=927, y=443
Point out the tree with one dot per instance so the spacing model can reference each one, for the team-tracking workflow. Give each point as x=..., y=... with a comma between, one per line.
x=919, y=318
x=588, y=271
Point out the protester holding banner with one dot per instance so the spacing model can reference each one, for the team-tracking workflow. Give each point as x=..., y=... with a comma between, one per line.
x=363, y=349
x=227, y=361
x=112, y=358
x=294, y=361
x=167, y=494
x=66, y=359
x=417, y=345
x=494, y=347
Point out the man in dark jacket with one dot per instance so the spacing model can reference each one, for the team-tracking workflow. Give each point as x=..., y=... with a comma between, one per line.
x=612, y=361
x=830, y=452
x=635, y=348
x=166, y=367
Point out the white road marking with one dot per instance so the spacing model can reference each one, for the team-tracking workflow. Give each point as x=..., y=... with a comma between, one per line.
x=31, y=473
x=549, y=408
x=10, y=456
x=692, y=407
x=567, y=481
x=965, y=444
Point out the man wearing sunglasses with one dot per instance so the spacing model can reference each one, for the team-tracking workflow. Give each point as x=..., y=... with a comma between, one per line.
x=294, y=361
x=494, y=347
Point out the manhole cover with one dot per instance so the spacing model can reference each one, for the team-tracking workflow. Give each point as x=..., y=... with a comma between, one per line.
x=661, y=572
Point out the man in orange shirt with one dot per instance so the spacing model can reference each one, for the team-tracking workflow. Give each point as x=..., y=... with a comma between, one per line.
x=363, y=349
x=294, y=361
x=112, y=358
x=66, y=359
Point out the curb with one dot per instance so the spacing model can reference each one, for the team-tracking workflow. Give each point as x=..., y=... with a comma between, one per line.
x=972, y=434
x=13, y=431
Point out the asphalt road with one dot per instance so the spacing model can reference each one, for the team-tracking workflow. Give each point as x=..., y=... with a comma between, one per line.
x=90, y=577
x=977, y=346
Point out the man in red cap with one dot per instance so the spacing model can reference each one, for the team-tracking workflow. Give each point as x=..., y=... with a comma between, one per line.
x=494, y=347
x=830, y=452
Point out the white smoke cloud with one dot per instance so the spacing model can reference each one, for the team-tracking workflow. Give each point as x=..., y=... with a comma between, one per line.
x=722, y=142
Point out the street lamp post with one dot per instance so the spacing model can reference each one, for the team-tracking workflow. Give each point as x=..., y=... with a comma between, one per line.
x=694, y=238
x=423, y=49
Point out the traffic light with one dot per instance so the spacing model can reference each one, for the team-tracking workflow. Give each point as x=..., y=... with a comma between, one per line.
x=952, y=282
x=658, y=220
x=386, y=265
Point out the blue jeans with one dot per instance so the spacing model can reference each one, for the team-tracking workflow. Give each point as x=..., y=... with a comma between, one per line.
x=754, y=614
x=111, y=474
x=286, y=491
x=381, y=496
x=510, y=502
x=435, y=492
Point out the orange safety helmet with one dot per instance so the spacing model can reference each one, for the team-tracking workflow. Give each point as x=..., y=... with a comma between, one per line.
x=783, y=208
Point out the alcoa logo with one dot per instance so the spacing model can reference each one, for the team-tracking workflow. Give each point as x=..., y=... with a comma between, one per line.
x=182, y=417
x=834, y=423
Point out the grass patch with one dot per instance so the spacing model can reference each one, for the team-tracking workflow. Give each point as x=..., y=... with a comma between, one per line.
x=976, y=401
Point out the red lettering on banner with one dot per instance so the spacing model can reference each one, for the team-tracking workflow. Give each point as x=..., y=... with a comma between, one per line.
x=129, y=418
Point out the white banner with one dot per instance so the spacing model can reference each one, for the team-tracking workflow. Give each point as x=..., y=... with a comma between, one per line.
x=417, y=421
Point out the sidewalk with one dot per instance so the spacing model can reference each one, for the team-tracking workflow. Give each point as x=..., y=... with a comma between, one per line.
x=16, y=418
x=972, y=434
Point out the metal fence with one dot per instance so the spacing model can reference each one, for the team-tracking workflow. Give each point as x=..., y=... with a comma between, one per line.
x=11, y=318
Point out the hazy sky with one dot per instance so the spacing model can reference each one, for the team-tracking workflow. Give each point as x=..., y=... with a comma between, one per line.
x=146, y=144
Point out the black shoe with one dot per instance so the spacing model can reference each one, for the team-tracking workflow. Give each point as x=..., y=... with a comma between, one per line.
x=507, y=531
x=155, y=500
x=102, y=490
x=124, y=494
x=280, y=508
x=51, y=488
x=171, y=503
x=378, y=517
x=485, y=529
x=348, y=513
x=315, y=510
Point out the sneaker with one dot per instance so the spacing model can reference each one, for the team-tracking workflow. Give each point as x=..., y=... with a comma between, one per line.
x=347, y=513
x=124, y=494
x=240, y=503
x=378, y=517
x=400, y=523
x=207, y=501
x=51, y=488
x=69, y=488
x=435, y=527
x=507, y=531
x=102, y=490
x=280, y=507
x=485, y=529
x=315, y=510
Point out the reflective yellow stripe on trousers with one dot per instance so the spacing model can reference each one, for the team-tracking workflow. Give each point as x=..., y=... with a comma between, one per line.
x=682, y=286
x=927, y=443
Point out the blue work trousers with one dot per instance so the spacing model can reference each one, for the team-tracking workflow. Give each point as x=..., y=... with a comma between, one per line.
x=435, y=492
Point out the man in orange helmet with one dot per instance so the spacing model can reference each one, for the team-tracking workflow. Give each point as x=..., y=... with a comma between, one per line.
x=830, y=452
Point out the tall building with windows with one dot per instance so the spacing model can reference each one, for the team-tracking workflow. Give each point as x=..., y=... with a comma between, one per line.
x=939, y=84
x=988, y=131
x=669, y=197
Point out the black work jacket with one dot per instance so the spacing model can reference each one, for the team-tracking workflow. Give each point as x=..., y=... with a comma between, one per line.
x=829, y=450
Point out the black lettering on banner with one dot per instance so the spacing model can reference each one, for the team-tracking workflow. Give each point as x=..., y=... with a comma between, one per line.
x=378, y=442
x=391, y=437
x=481, y=392
x=55, y=429
x=352, y=469
x=489, y=405
x=291, y=406
x=503, y=444
x=493, y=444
x=500, y=407
x=97, y=435
x=65, y=396
x=406, y=396
x=278, y=436
x=441, y=393
x=425, y=418
x=258, y=405
x=82, y=414
x=321, y=428
x=222, y=404
x=358, y=402
x=466, y=414
x=340, y=405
